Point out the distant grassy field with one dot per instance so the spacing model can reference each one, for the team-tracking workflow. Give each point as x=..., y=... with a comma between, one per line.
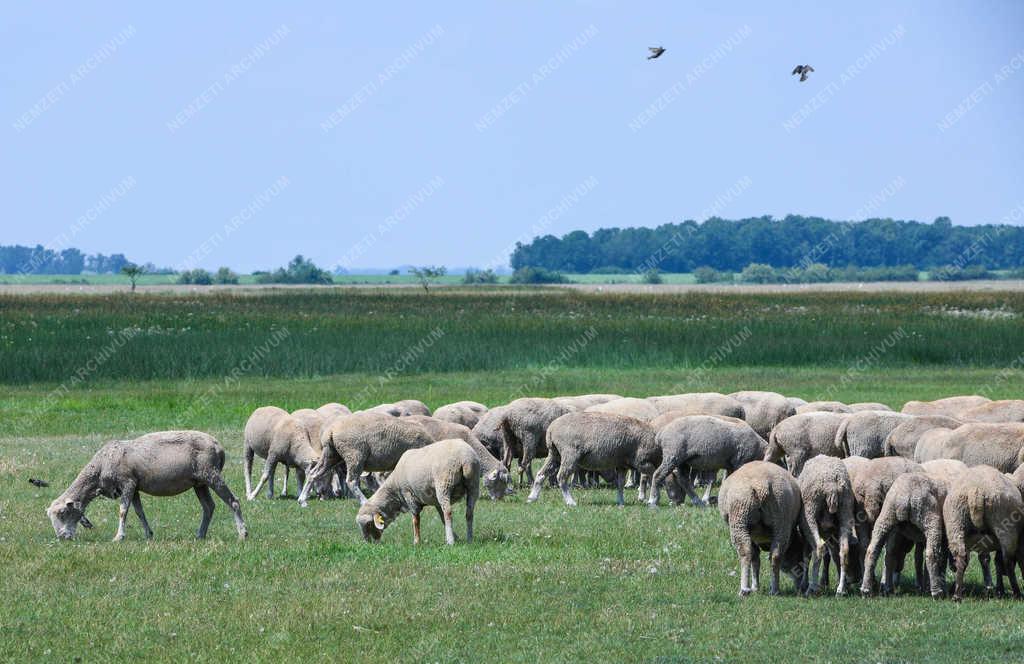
x=306, y=333
x=542, y=582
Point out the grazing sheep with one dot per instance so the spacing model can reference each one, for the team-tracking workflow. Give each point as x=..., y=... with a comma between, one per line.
x=1007, y=410
x=902, y=441
x=763, y=410
x=827, y=496
x=412, y=407
x=640, y=409
x=700, y=403
x=596, y=441
x=950, y=406
x=982, y=513
x=439, y=474
x=165, y=463
x=584, y=401
x=761, y=503
x=911, y=514
x=494, y=474
x=976, y=443
x=803, y=436
x=365, y=441
x=796, y=402
x=824, y=407
x=869, y=405
x=944, y=470
x=275, y=435
x=854, y=464
x=870, y=484
x=522, y=427
x=459, y=413
x=864, y=432
x=488, y=431
x=703, y=443
x=329, y=411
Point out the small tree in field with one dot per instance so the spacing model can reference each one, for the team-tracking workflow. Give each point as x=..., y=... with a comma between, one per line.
x=427, y=273
x=133, y=272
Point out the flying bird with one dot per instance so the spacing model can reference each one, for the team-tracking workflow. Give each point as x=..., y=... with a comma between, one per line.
x=803, y=70
x=39, y=483
x=656, y=52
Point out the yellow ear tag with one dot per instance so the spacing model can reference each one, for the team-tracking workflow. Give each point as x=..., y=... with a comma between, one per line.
x=378, y=521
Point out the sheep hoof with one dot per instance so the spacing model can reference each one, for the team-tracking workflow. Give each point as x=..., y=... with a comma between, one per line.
x=744, y=592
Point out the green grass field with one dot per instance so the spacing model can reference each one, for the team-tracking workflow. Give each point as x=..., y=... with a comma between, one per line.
x=542, y=582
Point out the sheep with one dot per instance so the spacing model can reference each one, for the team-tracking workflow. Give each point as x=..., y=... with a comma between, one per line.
x=949, y=406
x=827, y=496
x=902, y=440
x=364, y=441
x=519, y=430
x=911, y=513
x=1007, y=410
x=438, y=474
x=761, y=503
x=703, y=443
x=763, y=410
x=459, y=413
x=976, y=443
x=796, y=402
x=803, y=436
x=824, y=407
x=869, y=405
x=596, y=441
x=329, y=411
x=640, y=409
x=164, y=463
x=854, y=464
x=275, y=435
x=863, y=433
x=399, y=408
x=870, y=484
x=495, y=475
x=700, y=403
x=982, y=513
x=584, y=401
x=944, y=470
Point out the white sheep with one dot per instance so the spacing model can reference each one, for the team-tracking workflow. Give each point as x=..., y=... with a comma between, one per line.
x=438, y=474
x=164, y=463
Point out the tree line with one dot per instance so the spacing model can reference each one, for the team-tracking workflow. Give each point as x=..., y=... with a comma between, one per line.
x=792, y=242
x=18, y=259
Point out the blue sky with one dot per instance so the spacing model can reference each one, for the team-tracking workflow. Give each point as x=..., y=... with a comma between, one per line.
x=423, y=133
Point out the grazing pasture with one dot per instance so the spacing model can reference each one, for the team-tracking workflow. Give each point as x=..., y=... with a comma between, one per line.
x=540, y=582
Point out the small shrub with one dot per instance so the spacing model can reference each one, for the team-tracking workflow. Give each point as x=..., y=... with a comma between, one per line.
x=759, y=273
x=197, y=277
x=537, y=275
x=652, y=276
x=480, y=277
x=225, y=276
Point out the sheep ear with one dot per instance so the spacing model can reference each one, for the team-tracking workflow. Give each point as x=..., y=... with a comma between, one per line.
x=378, y=521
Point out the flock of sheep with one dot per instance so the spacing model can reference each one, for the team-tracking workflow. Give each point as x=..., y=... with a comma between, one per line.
x=810, y=483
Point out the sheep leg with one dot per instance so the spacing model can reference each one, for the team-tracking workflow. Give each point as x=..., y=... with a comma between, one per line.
x=249, y=454
x=620, y=482
x=986, y=570
x=643, y=487
x=920, y=574
x=826, y=562
x=284, y=484
x=1000, y=570
x=746, y=551
x=127, y=494
x=569, y=463
x=775, y=557
x=137, y=504
x=471, y=498
x=687, y=482
x=329, y=459
x=221, y=489
x=416, y=526
x=657, y=479
x=266, y=478
x=206, y=502
x=844, y=564
x=352, y=474
x=445, y=507
x=1005, y=557
x=710, y=476
x=755, y=569
x=538, y=482
x=300, y=479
